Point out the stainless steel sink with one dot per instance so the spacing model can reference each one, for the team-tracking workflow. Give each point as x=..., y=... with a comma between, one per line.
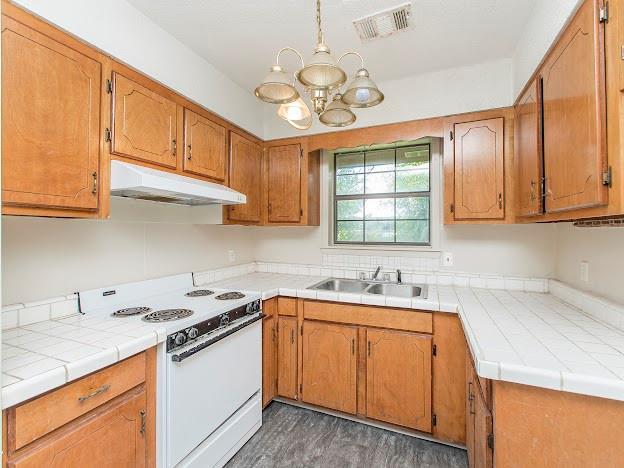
x=370, y=287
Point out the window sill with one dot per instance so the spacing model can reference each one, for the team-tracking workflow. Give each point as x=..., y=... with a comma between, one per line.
x=384, y=248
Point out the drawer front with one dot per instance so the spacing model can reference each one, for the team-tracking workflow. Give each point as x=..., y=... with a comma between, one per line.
x=371, y=316
x=287, y=306
x=42, y=415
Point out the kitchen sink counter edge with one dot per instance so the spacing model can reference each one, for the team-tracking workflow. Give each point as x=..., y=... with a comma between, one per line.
x=528, y=338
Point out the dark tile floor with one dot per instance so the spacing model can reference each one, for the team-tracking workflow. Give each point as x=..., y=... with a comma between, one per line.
x=296, y=437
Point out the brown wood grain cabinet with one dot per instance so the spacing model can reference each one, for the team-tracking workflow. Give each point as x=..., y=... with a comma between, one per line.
x=398, y=378
x=205, y=147
x=284, y=174
x=245, y=177
x=287, y=357
x=144, y=123
x=269, y=359
x=528, y=148
x=51, y=115
x=479, y=428
x=574, y=103
x=329, y=366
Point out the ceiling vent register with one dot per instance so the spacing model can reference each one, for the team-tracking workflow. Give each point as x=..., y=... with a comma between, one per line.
x=384, y=23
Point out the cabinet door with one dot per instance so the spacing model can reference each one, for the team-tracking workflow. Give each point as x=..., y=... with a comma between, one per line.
x=287, y=357
x=245, y=177
x=284, y=184
x=330, y=366
x=205, y=147
x=50, y=121
x=479, y=170
x=269, y=360
x=574, y=115
x=115, y=437
x=398, y=378
x=144, y=123
x=528, y=147
x=470, y=411
x=483, y=453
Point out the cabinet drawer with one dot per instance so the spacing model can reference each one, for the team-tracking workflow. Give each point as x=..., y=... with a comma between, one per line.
x=371, y=316
x=31, y=420
x=287, y=306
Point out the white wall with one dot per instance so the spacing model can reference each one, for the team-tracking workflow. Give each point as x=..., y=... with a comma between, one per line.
x=543, y=26
x=446, y=92
x=603, y=248
x=45, y=258
x=122, y=31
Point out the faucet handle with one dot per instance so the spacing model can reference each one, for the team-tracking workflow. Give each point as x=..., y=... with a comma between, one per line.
x=362, y=275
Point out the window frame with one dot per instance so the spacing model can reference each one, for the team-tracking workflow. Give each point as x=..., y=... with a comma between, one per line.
x=393, y=195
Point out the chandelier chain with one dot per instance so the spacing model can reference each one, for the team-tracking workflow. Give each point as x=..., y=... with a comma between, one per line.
x=318, y=22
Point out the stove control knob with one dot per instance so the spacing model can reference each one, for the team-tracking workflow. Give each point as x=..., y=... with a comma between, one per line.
x=250, y=308
x=192, y=333
x=180, y=338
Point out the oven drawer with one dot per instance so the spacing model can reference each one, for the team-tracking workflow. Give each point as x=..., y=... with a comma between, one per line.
x=44, y=414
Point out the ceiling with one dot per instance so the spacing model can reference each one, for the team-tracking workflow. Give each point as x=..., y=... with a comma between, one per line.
x=242, y=37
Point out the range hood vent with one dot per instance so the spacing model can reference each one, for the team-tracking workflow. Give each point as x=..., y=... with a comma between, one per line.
x=143, y=183
x=384, y=23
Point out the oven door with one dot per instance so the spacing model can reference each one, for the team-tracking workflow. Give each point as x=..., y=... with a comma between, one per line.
x=209, y=386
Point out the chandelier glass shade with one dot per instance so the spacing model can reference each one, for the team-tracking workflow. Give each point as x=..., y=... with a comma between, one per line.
x=321, y=77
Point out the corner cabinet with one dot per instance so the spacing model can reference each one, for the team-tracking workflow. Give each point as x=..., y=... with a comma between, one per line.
x=287, y=357
x=205, y=147
x=52, y=109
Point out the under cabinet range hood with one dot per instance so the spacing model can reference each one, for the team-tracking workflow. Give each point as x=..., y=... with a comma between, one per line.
x=143, y=183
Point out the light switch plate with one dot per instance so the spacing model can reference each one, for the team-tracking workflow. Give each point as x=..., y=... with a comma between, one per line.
x=447, y=259
x=585, y=272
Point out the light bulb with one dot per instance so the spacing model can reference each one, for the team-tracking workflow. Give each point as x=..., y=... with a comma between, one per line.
x=294, y=113
x=362, y=94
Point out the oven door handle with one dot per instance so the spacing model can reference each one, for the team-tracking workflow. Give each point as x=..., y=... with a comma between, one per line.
x=179, y=357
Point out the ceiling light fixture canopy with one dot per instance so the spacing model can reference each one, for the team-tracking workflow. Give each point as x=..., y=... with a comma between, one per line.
x=320, y=77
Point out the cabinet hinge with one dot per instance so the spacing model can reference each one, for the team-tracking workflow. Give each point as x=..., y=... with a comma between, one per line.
x=607, y=177
x=107, y=135
x=434, y=420
x=301, y=212
x=301, y=329
x=109, y=86
x=490, y=441
x=300, y=388
x=301, y=152
x=452, y=208
x=543, y=187
x=435, y=350
x=452, y=135
x=603, y=15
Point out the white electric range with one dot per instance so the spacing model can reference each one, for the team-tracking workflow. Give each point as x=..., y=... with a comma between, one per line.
x=209, y=398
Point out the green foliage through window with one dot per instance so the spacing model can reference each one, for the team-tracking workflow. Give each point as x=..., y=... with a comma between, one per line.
x=382, y=196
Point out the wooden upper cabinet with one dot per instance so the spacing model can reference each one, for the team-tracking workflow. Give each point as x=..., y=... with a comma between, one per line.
x=479, y=185
x=287, y=357
x=245, y=177
x=144, y=123
x=205, y=147
x=575, y=115
x=528, y=147
x=284, y=172
x=329, y=366
x=51, y=96
x=398, y=378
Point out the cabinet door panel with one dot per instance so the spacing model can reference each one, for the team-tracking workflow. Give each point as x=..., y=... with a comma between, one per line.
x=528, y=146
x=284, y=184
x=50, y=121
x=398, y=376
x=330, y=366
x=205, y=147
x=112, y=438
x=470, y=411
x=483, y=454
x=269, y=361
x=245, y=177
x=574, y=115
x=287, y=357
x=144, y=123
x=479, y=170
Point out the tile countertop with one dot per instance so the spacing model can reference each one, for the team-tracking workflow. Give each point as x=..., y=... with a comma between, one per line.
x=45, y=355
x=521, y=337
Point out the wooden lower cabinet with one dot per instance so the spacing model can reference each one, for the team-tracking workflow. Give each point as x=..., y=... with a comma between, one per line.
x=114, y=436
x=329, y=366
x=398, y=378
x=287, y=357
x=479, y=430
x=269, y=360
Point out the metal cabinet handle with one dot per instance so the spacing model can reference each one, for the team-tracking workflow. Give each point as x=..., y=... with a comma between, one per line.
x=471, y=398
x=142, y=413
x=189, y=153
x=500, y=201
x=353, y=346
x=174, y=151
x=292, y=336
x=369, y=348
x=94, y=189
x=96, y=392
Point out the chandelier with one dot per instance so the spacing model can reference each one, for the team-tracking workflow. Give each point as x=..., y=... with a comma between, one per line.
x=321, y=78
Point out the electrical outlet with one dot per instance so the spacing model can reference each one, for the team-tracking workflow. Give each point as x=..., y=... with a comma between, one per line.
x=447, y=259
x=231, y=256
x=585, y=272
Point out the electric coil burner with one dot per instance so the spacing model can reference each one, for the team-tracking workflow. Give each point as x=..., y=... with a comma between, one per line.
x=168, y=315
x=228, y=296
x=199, y=293
x=130, y=311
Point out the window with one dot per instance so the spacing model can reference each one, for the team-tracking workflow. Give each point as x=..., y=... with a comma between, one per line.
x=382, y=196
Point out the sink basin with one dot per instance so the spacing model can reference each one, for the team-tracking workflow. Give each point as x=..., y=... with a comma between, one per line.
x=397, y=290
x=341, y=285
